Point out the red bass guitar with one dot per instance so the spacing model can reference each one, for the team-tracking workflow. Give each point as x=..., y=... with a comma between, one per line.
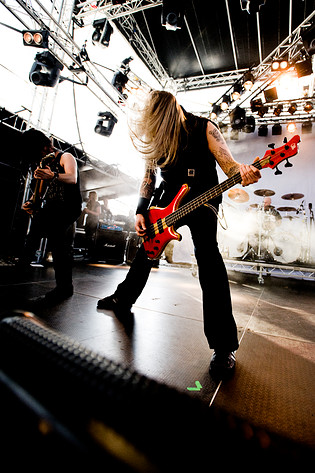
x=161, y=221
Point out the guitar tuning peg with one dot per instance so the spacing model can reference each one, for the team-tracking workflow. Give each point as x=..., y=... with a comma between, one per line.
x=271, y=145
x=278, y=172
x=285, y=140
x=288, y=164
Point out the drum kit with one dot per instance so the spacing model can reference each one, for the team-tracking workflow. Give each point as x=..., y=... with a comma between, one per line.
x=273, y=235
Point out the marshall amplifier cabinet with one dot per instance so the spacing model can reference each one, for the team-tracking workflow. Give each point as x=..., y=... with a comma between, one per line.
x=110, y=246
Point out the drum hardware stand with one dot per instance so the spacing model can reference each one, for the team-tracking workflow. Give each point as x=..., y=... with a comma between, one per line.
x=40, y=253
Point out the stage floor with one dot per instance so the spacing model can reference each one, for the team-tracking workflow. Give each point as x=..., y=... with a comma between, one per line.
x=274, y=382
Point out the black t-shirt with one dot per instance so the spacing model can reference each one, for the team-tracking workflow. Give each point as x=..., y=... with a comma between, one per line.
x=58, y=193
x=195, y=164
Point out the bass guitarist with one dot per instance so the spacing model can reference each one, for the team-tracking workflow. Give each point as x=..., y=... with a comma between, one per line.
x=186, y=149
x=54, y=207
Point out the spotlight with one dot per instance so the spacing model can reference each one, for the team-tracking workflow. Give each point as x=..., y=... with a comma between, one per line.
x=237, y=118
x=225, y=102
x=307, y=127
x=237, y=89
x=293, y=108
x=248, y=81
x=308, y=107
x=262, y=111
x=276, y=129
x=37, y=38
x=255, y=105
x=105, y=124
x=284, y=64
x=304, y=68
x=291, y=127
x=102, y=32
x=119, y=81
x=263, y=130
x=249, y=126
x=215, y=112
x=271, y=94
x=278, y=110
x=125, y=63
x=171, y=15
x=45, y=70
x=279, y=64
x=275, y=65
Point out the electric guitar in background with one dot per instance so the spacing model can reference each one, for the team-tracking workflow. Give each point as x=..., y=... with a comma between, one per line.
x=40, y=187
x=161, y=221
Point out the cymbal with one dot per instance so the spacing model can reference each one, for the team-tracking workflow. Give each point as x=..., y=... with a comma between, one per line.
x=292, y=196
x=254, y=206
x=286, y=209
x=264, y=192
x=238, y=195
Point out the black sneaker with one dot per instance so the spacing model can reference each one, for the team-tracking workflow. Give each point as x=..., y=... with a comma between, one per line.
x=222, y=364
x=114, y=304
x=108, y=303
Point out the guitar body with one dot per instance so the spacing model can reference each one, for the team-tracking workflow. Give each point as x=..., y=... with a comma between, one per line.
x=160, y=221
x=156, y=240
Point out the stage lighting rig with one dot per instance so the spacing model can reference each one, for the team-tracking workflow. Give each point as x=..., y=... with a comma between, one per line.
x=121, y=78
x=237, y=118
x=102, y=33
x=171, y=15
x=304, y=67
x=281, y=64
x=278, y=109
x=36, y=38
x=45, y=70
x=292, y=108
x=248, y=81
x=226, y=100
x=105, y=123
x=276, y=129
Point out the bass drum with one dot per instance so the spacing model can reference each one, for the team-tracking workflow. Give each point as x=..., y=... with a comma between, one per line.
x=233, y=241
x=287, y=247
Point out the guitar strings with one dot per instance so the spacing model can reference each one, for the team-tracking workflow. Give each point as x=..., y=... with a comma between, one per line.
x=204, y=198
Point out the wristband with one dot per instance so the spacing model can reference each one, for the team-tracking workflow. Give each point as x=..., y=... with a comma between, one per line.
x=143, y=205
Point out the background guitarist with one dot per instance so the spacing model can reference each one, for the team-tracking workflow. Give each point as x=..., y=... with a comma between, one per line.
x=54, y=211
x=186, y=149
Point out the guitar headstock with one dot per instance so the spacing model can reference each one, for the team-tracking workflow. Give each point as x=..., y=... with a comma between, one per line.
x=275, y=156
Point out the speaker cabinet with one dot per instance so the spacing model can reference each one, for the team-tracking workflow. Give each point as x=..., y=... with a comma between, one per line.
x=110, y=246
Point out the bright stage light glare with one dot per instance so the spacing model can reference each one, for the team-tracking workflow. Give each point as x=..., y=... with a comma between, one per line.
x=288, y=87
x=291, y=127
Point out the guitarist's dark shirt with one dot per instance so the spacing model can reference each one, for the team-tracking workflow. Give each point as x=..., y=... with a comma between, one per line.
x=195, y=164
x=67, y=195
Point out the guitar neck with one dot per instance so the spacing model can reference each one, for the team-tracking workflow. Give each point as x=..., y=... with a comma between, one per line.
x=212, y=193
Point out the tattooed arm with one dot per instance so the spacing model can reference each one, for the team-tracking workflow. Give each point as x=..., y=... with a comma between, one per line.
x=148, y=184
x=146, y=192
x=223, y=155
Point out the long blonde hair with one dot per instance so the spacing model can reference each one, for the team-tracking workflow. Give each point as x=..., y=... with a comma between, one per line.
x=155, y=130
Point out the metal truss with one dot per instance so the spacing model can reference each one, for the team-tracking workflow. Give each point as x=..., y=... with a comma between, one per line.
x=114, y=11
x=123, y=16
x=263, y=269
x=66, y=50
x=218, y=79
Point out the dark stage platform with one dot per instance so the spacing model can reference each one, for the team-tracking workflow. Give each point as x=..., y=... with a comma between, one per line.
x=272, y=391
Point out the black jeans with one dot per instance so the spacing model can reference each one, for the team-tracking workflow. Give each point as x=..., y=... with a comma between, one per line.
x=57, y=224
x=219, y=324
